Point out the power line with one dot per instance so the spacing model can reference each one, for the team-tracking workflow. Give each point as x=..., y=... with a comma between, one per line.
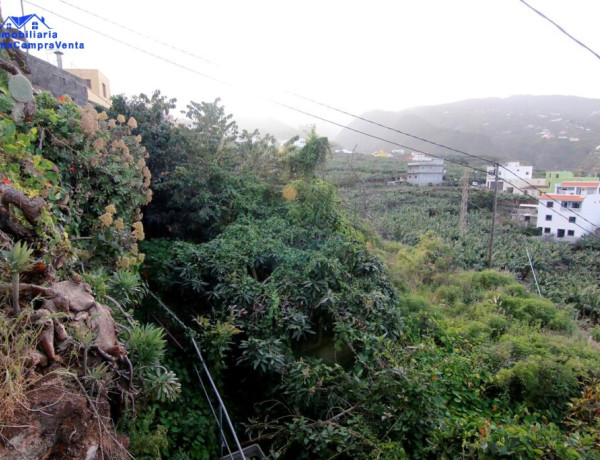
x=295, y=109
x=146, y=36
x=281, y=104
x=308, y=99
x=330, y=107
x=560, y=28
x=381, y=125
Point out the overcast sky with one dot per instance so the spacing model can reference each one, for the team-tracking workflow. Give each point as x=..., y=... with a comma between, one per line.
x=354, y=55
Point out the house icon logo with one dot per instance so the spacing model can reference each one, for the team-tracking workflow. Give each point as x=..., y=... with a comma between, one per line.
x=32, y=32
x=35, y=22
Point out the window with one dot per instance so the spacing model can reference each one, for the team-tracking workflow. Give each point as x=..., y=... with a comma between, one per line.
x=570, y=232
x=527, y=218
x=548, y=217
x=576, y=205
x=103, y=90
x=34, y=25
x=572, y=220
x=88, y=83
x=527, y=173
x=561, y=233
x=546, y=230
x=557, y=176
x=550, y=204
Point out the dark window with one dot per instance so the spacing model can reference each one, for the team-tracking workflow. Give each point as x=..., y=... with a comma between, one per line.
x=88, y=83
x=527, y=218
x=550, y=204
x=103, y=89
x=560, y=233
x=548, y=217
x=557, y=176
x=572, y=220
x=571, y=232
x=576, y=205
x=527, y=173
x=546, y=230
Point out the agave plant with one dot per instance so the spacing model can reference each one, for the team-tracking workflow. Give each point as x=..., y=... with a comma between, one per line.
x=16, y=261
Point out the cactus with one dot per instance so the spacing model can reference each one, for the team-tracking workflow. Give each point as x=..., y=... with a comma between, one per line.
x=20, y=88
x=18, y=112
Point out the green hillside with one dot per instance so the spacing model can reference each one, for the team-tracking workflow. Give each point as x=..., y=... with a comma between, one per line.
x=550, y=132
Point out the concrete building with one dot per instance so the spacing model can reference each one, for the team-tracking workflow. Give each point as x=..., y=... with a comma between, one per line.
x=526, y=215
x=429, y=171
x=57, y=81
x=572, y=211
x=515, y=178
x=98, y=85
x=554, y=177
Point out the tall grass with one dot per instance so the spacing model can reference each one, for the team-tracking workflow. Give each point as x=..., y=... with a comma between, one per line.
x=18, y=338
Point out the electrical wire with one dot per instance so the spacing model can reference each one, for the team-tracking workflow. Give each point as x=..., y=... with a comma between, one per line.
x=308, y=99
x=579, y=42
x=304, y=112
x=143, y=35
x=273, y=101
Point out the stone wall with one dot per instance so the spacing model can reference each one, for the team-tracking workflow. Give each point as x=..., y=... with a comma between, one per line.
x=59, y=82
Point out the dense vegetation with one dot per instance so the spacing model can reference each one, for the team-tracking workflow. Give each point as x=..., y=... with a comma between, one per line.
x=324, y=353
x=73, y=182
x=335, y=326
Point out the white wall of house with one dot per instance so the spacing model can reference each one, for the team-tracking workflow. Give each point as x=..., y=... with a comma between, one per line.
x=512, y=172
x=424, y=173
x=569, y=216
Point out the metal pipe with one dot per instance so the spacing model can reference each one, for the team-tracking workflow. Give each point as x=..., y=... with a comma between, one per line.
x=218, y=396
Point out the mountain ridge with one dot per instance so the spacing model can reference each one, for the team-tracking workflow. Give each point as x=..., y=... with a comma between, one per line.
x=549, y=132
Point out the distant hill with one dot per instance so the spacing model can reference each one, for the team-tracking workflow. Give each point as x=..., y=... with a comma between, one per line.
x=276, y=128
x=550, y=132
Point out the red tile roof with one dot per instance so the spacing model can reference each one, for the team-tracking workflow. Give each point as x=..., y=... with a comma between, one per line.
x=574, y=183
x=557, y=197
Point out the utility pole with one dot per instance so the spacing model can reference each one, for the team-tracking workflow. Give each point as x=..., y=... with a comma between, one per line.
x=25, y=28
x=462, y=220
x=491, y=250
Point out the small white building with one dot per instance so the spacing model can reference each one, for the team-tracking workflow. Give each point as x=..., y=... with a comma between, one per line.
x=428, y=171
x=571, y=212
x=511, y=172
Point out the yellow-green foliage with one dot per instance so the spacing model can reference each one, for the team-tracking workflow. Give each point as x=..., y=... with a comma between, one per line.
x=411, y=267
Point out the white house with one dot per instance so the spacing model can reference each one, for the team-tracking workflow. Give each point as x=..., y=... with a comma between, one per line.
x=515, y=178
x=572, y=211
x=427, y=171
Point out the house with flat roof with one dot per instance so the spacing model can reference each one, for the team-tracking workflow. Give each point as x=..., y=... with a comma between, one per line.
x=513, y=177
x=571, y=211
x=98, y=85
x=426, y=171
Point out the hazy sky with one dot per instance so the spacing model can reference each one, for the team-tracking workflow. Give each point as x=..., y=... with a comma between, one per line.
x=353, y=55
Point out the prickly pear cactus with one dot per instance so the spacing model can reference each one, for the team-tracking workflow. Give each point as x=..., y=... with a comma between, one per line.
x=20, y=88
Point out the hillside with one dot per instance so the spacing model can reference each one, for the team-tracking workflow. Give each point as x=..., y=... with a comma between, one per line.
x=550, y=132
